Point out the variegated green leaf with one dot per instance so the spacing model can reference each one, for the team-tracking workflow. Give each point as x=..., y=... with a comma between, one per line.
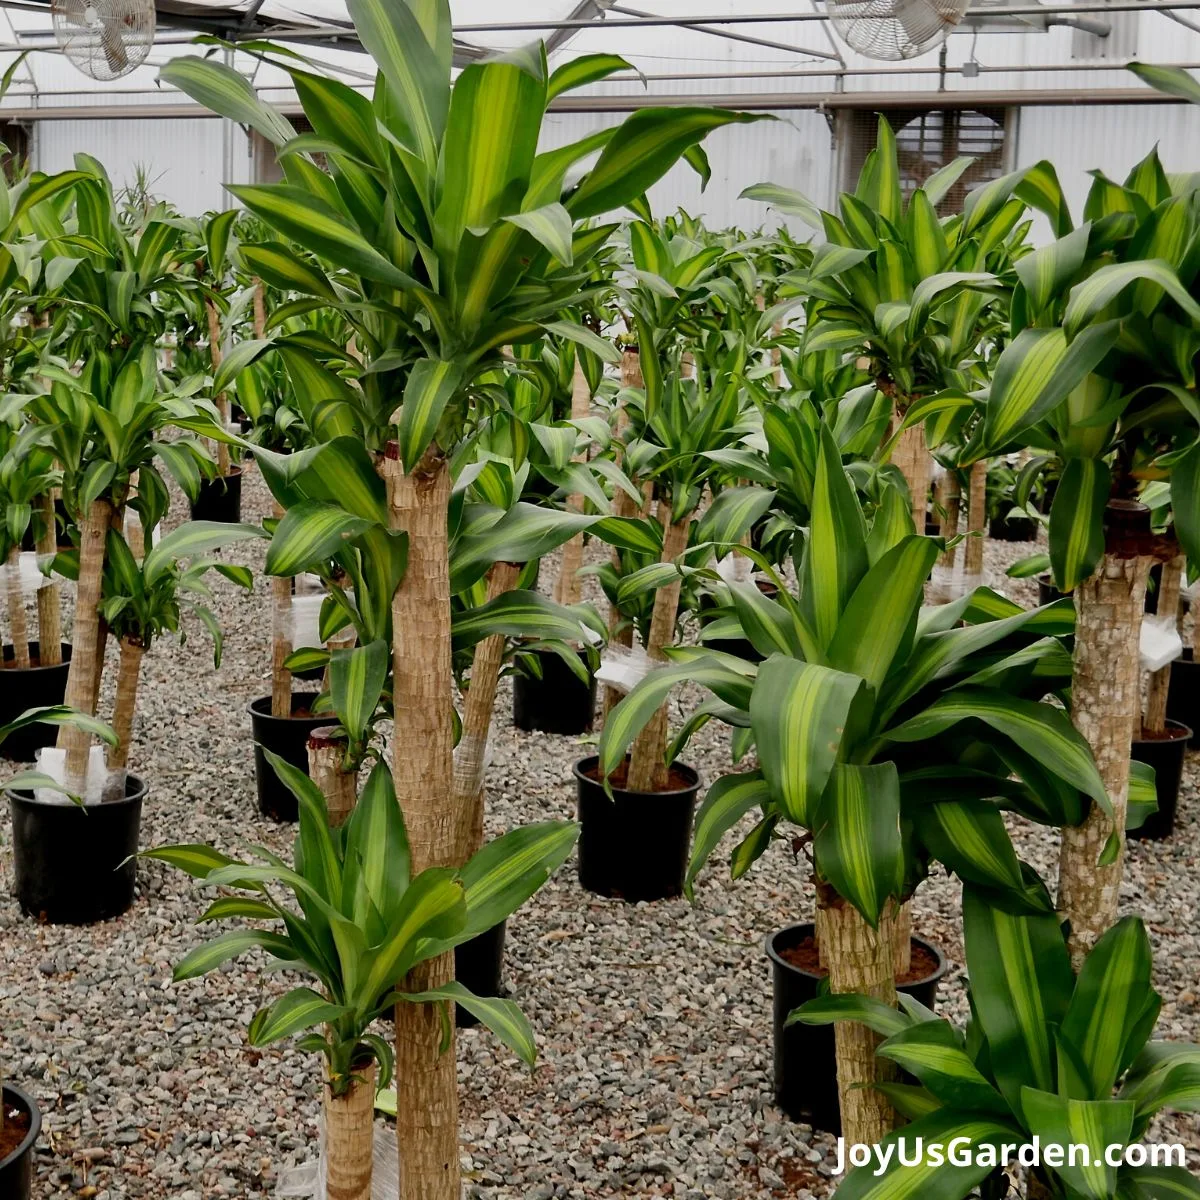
x=432, y=383
x=212, y=954
x=1076, y=531
x=293, y=1012
x=641, y=152
x=310, y=534
x=502, y=1017
x=1021, y=983
x=223, y=90
x=1090, y=299
x=729, y=799
x=1040, y=729
x=508, y=870
x=799, y=712
x=1096, y=1124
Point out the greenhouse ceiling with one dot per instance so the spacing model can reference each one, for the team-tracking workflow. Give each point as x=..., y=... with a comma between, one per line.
x=680, y=51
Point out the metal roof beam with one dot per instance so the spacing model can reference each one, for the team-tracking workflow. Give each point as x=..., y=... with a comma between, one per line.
x=735, y=37
x=592, y=11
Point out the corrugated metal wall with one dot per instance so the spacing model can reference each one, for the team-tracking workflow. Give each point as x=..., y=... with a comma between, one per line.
x=184, y=159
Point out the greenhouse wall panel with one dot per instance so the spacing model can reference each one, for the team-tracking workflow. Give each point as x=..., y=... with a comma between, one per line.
x=184, y=160
x=1112, y=139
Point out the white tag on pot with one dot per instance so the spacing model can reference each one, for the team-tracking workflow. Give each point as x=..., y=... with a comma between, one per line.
x=1159, y=643
x=623, y=668
x=53, y=762
x=306, y=620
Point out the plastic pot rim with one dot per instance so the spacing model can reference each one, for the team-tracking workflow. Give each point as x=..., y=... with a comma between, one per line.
x=6, y=657
x=594, y=759
x=257, y=713
x=136, y=790
x=29, y=1104
x=1179, y=733
x=935, y=976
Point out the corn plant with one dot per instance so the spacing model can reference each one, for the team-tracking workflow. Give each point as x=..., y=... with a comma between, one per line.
x=1099, y=381
x=443, y=236
x=144, y=596
x=914, y=294
x=1048, y=1055
x=359, y=917
x=885, y=731
x=111, y=301
x=674, y=447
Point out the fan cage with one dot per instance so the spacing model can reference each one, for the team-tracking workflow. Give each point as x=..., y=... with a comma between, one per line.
x=105, y=39
x=894, y=30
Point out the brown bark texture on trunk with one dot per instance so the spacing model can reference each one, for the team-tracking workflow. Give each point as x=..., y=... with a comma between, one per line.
x=125, y=706
x=911, y=455
x=350, y=1138
x=87, y=649
x=1105, y=699
x=426, y=1079
x=470, y=756
x=862, y=960
x=623, y=505
x=50, y=631
x=976, y=518
x=648, y=772
x=281, y=640
x=326, y=753
x=18, y=627
x=214, y=353
x=1160, y=681
x=568, y=589
x=951, y=503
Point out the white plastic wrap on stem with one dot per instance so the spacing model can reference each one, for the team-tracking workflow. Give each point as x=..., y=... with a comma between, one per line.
x=31, y=574
x=951, y=583
x=472, y=757
x=305, y=616
x=622, y=668
x=1159, y=643
x=99, y=784
x=307, y=1181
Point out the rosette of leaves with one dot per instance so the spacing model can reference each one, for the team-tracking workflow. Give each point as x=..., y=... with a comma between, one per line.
x=1047, y=1054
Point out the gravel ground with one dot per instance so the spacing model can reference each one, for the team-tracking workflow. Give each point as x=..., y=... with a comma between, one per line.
x=654, y=1022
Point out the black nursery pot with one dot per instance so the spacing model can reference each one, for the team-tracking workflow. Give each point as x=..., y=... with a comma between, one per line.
x=35, y=688
x=76, y=865
x=1183, y=697
x=634, y=846
x=287, y=737
x=1047, y=592
x=1165, y=755
x=16, y=1170
x=477, y=966
x=559, y=702
x=1012, y=529
x=220, y=499
x=805, y=1064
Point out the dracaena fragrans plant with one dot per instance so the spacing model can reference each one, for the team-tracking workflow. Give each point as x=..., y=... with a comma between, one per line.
x=112, y=285
x=889, y=733
x=353, y=915
x=915, y=294
x=146, y=595
x=1049, y=1056
x=674, y=441
x=442, y=235
x=1099, y=381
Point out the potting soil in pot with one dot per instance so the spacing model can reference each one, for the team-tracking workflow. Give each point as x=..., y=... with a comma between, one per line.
x=805, y=956
x=12, y=1133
